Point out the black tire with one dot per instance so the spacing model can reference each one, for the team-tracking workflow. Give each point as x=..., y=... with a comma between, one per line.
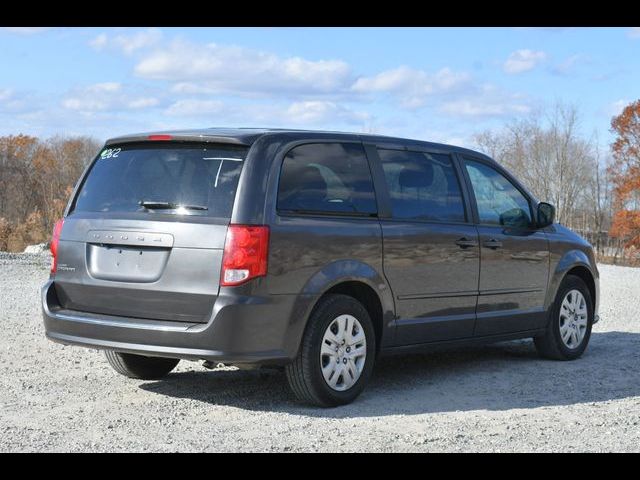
x=138, y=366
x=305, y=372
x=550, y=345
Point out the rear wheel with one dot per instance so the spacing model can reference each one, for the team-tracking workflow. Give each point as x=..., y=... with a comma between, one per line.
x=337, y=353
x=138, y=366
x=569, y=327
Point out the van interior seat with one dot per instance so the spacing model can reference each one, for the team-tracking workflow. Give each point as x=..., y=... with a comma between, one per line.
x=308, y=192
x=414, y=181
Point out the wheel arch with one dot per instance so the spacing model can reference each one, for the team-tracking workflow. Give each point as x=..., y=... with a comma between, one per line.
x=587, y=277
x=356, y=279
x=578, y=263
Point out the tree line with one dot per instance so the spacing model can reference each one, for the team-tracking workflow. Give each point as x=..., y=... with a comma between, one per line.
x=596, y=191
x=36, y=180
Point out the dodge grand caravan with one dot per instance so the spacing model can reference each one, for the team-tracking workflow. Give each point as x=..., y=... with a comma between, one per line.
x=314, y=251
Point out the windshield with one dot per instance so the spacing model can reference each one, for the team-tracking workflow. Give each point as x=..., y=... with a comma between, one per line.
x=192, y=179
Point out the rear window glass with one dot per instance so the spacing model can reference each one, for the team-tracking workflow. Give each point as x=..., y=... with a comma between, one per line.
x=331, y=178
x=191, y=179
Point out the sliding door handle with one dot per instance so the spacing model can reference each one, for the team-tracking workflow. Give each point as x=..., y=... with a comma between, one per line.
x=466, y=243
x=492, y=243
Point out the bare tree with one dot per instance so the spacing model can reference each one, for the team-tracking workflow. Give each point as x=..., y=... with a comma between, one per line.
x=550, y=157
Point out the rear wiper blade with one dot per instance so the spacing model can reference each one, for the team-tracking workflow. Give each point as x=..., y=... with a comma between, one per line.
x=153, y=205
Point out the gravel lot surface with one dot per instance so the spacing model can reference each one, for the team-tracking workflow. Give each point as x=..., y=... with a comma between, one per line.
x=494, y=398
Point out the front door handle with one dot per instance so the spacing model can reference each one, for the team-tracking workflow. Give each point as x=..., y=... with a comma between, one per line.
x=466, y=243
x=492, y=243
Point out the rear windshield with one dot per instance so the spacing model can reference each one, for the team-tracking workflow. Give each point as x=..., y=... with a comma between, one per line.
x=187, y=179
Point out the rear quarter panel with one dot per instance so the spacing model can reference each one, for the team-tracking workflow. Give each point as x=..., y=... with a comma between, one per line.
x=310, y=254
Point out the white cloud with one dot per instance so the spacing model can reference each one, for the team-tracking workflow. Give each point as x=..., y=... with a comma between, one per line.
x=403, y=78
x=615, y=108
x=568, y=65
x=304, y=113
x=319, y=112
x=448, y=137
x=196, y=70
x=411, y=85
x=211, y=69
x=233, y=69
x=143, y=102
x=186, y=83
x=634, y=32
x=16, y=102
x=453, y=93
x=523, y=60
x=487, y=101
x=105, y=87
x=84, y=104
x=128, y=43
x=24, y=30
x=189, y=88
x=482, y=108
x=100, y=41
x=107, y=96
x=195, y=107
x=5, y=93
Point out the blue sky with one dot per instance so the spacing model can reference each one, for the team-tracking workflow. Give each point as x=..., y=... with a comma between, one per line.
x=439, y=84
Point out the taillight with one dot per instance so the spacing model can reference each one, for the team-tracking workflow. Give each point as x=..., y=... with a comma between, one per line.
x=55, y=239
x=159, y=137
x=245, y=254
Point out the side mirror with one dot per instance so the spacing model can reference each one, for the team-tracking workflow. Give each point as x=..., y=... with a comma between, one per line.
x=516, y=217
x=546, y=214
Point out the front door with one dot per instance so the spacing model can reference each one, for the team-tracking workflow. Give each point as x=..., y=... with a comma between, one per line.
x=514, y=255
x=431, y=250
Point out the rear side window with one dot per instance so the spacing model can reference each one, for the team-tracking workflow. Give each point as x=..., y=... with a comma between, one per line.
x=326, y=178
x=422, y=186
x=191, y=179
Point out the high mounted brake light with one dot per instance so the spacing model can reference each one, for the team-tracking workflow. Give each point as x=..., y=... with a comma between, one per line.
x=246, y=249
x=159, y=137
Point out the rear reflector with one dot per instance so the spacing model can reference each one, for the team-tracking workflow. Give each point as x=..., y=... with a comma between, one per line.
x=159, y=137
x=55, y=240
x=246, y=249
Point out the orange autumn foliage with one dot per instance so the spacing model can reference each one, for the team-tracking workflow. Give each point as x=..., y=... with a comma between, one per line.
x=36, y=180
x=626, y=175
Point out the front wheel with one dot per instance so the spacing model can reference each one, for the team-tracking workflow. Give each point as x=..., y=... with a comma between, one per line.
x=569, y=327
x=138, y=366
x=337, y=353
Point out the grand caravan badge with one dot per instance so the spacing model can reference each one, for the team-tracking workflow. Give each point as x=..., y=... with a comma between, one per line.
x=66, y=268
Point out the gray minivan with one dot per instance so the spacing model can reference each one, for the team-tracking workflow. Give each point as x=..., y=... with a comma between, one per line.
x=316, y=251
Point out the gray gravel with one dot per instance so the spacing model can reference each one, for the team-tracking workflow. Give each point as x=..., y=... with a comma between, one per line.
x=495, y=398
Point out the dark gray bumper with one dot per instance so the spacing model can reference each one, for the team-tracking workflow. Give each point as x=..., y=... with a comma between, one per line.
x=242, y=329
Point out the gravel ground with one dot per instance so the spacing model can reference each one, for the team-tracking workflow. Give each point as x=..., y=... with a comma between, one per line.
x=493, y=398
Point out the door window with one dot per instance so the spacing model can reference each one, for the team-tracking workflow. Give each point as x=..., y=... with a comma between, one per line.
x=422, y=186
x=499, y=201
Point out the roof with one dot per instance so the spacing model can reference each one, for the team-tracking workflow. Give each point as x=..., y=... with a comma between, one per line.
x=247, y=136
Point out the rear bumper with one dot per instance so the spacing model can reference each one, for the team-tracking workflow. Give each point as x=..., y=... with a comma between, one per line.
x=242, y=329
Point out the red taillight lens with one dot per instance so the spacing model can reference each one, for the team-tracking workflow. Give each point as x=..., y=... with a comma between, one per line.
x=55, y=239
x=245, y=254
x=159, y=137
